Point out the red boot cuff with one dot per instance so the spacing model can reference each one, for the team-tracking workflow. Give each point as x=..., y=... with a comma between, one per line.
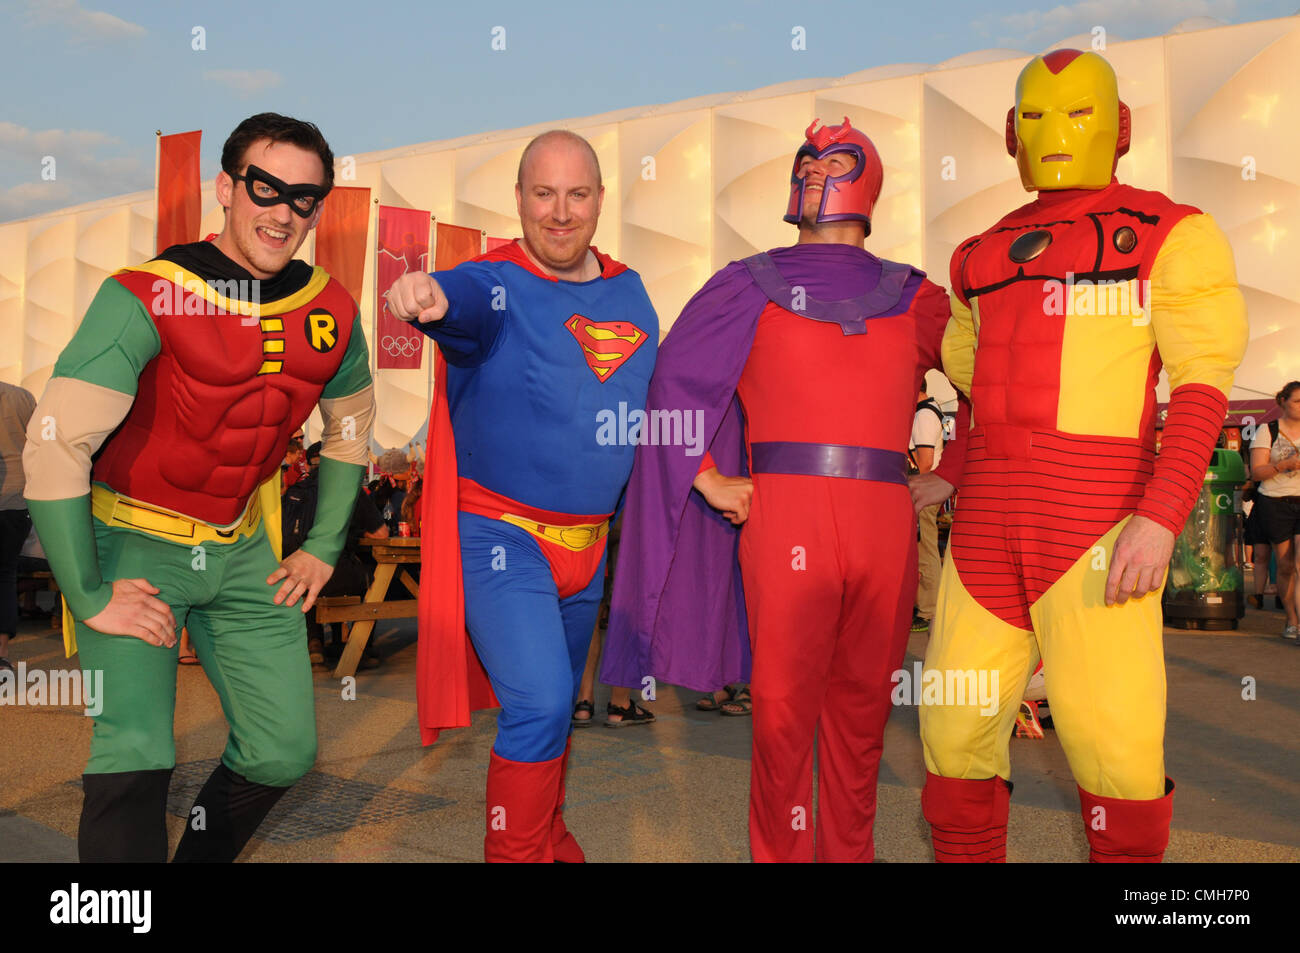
x=968, y=818
x=1127, y=832
x=521, y=798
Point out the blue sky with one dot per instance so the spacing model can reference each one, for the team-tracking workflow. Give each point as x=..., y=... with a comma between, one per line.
x=88, y=81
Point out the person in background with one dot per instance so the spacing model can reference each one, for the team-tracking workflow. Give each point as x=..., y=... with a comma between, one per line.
x=1261, y=553
x=1274, y=464
x=294, y=467
x=351, y=576
x=16, y=406
x=926, y=451
x=621, y=712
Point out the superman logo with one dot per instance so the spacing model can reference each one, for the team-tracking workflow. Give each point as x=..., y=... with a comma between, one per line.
x=605, y=344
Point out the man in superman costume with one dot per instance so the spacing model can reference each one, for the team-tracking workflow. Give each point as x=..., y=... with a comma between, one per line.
x=538, y=340
x=184, y=382
x=805, y=362
x=1064, y=312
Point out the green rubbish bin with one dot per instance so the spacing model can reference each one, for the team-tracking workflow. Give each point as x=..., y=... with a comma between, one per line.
x=1204, y=589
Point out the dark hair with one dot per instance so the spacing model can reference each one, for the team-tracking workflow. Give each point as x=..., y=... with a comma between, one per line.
x=277, y=128
x=314, y=450
x=923, y=390
x=1285, y=393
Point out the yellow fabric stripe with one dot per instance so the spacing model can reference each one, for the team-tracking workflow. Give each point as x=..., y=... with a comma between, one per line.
x=959, y=340
x=270, y=367
x=273, y=346
x=192, y=283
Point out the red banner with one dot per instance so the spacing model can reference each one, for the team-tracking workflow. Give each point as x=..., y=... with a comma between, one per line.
x=495, y=243
x=341, y=236
x=456, y=243
x=401, y=246
x=179, y=206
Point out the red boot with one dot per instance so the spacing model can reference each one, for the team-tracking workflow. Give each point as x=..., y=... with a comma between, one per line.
x=563, y=844
x=520, y=809
x=1127, y=832
x=968, y=819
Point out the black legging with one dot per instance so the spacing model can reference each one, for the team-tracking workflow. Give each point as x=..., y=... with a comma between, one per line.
x=14, y=527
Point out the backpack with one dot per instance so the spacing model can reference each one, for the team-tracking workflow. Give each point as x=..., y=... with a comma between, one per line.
x=931, y=405
x=297, y=514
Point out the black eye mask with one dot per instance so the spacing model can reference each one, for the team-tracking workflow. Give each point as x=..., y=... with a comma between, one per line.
x=301, y=199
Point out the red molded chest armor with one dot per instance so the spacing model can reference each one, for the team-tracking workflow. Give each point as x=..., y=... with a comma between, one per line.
x=1017, y=368
x=215, y=408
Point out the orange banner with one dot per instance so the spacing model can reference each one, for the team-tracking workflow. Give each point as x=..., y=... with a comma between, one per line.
x=179, y=206
x=341, y=237
x=456, y=243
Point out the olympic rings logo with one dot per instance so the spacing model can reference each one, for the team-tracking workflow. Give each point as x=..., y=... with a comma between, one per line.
x=400, y=347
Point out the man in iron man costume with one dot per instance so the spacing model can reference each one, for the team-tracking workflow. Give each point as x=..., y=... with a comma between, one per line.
x=1064, y=313
x=152, y=477
x=805, y=362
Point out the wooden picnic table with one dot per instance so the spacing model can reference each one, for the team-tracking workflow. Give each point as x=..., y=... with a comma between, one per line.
x=390, y=555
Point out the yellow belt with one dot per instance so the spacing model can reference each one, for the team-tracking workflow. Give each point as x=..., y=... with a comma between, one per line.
x=112, y=509
x=574, y=538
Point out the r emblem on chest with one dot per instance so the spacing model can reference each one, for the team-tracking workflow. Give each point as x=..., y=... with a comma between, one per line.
x=321, y=330
x=1030, y=245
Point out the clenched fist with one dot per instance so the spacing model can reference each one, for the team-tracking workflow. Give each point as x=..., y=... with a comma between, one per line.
x=417, y=295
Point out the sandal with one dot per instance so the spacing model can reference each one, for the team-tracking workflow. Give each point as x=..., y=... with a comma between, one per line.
x=589, y=708
x=631, y=715
x=739, y=705
x=711, y=703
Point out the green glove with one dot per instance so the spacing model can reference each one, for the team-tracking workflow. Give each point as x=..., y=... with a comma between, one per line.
x=68, y=538
x=338, y=484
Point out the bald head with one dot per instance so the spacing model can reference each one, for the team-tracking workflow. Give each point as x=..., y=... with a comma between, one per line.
x=558, y=140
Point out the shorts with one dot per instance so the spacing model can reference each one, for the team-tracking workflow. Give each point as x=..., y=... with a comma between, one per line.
x=1277, y=518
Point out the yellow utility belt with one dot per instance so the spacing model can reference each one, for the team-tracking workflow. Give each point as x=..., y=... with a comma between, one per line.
x=575, y=538
x=113, y=509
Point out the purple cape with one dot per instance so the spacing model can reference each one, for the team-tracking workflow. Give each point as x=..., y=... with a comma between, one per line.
x=678, y=611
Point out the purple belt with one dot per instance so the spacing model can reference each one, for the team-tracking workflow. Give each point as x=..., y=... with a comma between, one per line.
x=829, y=459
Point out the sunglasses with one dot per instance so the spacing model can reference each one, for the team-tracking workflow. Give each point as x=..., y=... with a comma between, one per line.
x=266, y=190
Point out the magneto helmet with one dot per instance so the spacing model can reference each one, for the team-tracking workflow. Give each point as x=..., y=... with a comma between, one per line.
x=1068, y=127
x=844, y=198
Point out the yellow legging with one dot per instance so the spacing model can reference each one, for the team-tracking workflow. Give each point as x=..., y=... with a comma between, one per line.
x=1105, y=674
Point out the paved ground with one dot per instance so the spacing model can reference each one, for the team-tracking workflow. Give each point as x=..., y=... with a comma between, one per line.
x=675, y=790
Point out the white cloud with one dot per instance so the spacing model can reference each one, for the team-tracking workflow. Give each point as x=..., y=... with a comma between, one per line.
x=1037, y=29
x=30, y=142
x=31, y=198
x=83, y=24
x=81, y=172
x=245, y=82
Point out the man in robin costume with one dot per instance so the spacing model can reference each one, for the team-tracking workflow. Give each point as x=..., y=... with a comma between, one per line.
x=152, y=465
x=803, y=363
x=1064, y=312
x=541, y=343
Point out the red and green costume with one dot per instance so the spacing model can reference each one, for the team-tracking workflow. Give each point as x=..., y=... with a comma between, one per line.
x=198, y=393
